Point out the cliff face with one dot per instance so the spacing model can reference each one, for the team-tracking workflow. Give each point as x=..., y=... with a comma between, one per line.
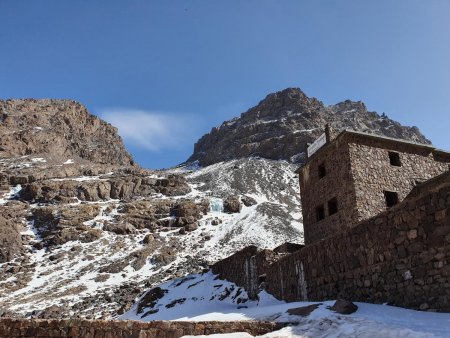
x=61, y=129
x=281, y=125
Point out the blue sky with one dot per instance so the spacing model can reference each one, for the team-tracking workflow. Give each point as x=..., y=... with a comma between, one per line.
x=166, y=72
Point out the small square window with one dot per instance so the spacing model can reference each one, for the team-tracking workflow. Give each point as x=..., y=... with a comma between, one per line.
x=394, y=158
x=332, y=206
x=320, y=213
x=322, y=170
x=391, y=198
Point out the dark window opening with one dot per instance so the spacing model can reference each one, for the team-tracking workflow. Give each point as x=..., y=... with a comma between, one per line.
x=394, y=158
x=320, y=213
x=322, y=170
x=332, y=206
x=391, y=198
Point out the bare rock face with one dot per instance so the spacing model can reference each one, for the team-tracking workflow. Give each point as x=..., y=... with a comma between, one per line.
x=61, y=128
x=10, y=240
x=59, y=225
x=281, y=125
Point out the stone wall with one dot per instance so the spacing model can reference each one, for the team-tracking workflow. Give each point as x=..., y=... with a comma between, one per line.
x=316, y=191
x=246, y=268
x=373, y=174
x=401, y=256
x=78, y=328
x=358, y=171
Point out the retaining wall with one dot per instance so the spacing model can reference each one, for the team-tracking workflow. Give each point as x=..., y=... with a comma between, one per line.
x=78, y=328
x=401, y=256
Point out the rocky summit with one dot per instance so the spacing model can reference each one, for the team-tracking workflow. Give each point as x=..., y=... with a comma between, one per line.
x=84, y=231
x=59, y=129
x=282, y=124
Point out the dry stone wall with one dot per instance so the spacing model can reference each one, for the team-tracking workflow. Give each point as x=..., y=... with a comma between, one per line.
x=247, y=268
x=401, y=256
x=78, y=328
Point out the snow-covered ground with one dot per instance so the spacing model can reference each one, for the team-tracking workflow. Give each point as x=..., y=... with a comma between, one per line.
x=203, y=297
x=273, y=220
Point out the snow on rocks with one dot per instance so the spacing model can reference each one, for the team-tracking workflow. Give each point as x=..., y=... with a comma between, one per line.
x=11, y=194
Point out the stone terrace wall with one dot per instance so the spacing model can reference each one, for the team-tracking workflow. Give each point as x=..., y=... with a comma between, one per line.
x=245, y=268
x=401, y=256
x=78, y=328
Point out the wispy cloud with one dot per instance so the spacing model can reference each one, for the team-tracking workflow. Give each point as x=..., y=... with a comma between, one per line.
x=152, y=130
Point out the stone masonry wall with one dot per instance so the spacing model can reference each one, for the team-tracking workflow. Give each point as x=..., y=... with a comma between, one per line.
x=373, y=173
x=79, y=328
x=401, y=256
x=358, y=171
x=246, y=268
x=316, y=191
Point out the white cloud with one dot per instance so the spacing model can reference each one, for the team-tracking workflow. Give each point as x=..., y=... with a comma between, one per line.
x=154, y=131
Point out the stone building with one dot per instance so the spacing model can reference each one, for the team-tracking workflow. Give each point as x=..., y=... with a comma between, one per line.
x=376, y=215
x=352, y=176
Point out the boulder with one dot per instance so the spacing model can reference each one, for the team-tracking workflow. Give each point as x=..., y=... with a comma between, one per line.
x=248, y=201
x=120, y=228
x=232, y=205
x=303, y=310
x=344, y=307
x=191, y=227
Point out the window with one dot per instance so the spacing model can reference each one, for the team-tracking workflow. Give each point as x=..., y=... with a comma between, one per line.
x=320, y=213
x=322, y=171
x=394, y=158
x=332, y=206
x=391, y=198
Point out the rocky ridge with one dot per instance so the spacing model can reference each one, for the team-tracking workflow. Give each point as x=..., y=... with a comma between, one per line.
x=59, y=129
x=282, y=124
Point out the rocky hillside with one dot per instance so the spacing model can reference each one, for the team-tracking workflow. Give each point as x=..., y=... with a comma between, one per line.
x=281, y=125
x=59, y=129
x=83, y=233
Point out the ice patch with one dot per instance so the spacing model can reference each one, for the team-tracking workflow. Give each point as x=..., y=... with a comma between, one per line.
x=69, y=161
x=216, y=204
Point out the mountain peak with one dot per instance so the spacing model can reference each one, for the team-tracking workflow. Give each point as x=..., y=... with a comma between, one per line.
x=280, y=126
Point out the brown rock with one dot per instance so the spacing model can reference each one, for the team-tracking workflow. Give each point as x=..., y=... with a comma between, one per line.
x=344, y=307
x=232, y=205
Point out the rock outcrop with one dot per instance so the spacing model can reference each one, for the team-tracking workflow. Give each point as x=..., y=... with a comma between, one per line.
x=282, y=124
x=63, y=129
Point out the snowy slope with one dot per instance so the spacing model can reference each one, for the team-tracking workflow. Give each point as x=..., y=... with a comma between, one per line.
x=98, y=278
x=203, y=297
